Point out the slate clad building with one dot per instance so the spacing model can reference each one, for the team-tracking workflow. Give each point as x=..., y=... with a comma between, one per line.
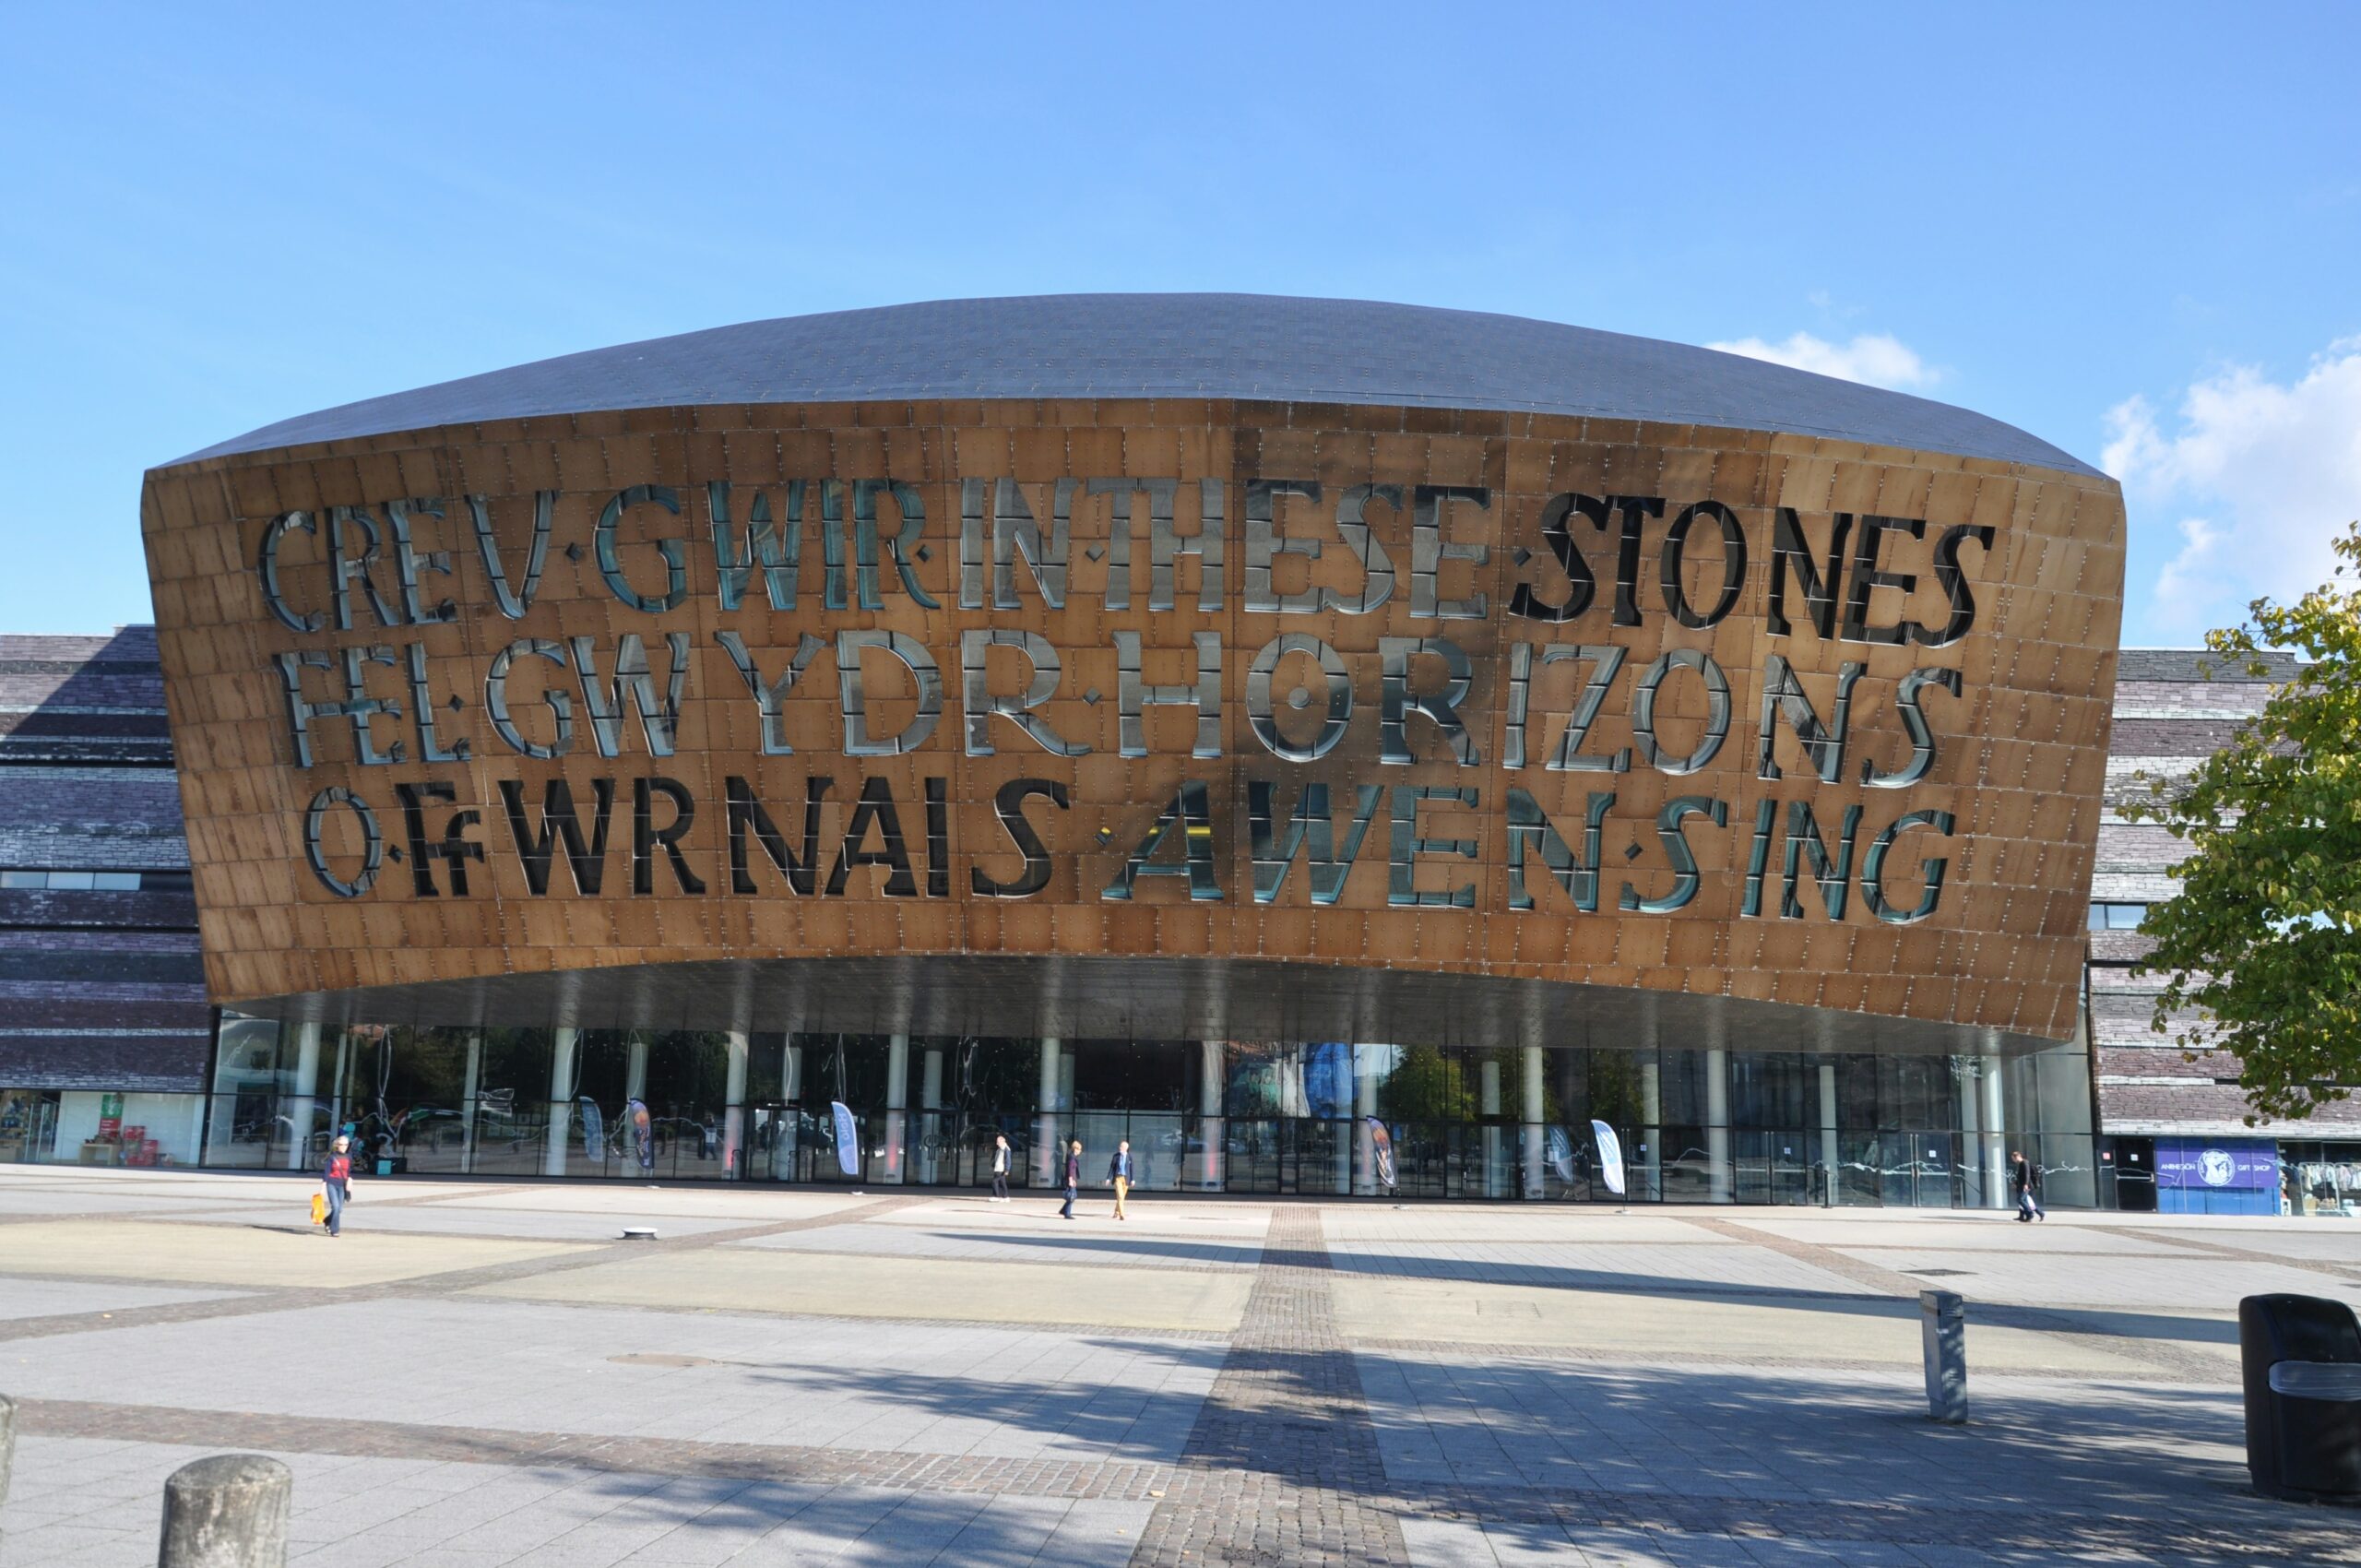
x=2176, y=1128
x=1233, y=723
x=104, y=1021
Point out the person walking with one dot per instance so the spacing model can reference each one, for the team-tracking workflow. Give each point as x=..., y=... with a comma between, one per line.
x=2024, y=1180
x=999, y=1169
x=1073, y=1179
x=1119, y=1171
x=335, y=1177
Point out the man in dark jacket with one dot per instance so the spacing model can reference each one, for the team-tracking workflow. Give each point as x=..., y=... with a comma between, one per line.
x=335, y=1176
x=1073, y=1179
x=2024, y=1180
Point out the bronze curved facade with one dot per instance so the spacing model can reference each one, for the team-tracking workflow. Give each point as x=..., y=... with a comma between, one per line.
x=1187, y=716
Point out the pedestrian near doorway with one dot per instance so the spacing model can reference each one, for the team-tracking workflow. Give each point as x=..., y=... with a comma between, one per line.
x=999, y=1169
x=2024, y=1179
x=1118, y=1172
x=336, y=1178
x=1073, y=1179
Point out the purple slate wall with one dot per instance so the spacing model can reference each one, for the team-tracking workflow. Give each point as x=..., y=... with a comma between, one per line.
x=97, y=990
x=2172, y=706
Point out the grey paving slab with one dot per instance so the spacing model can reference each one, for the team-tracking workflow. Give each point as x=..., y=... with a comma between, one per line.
x=519, y=1367
x=1965, y=1233
x=1037, y=1236
x=1338, y=1421
x=2336, y=1241
x=2194, y=1281
x=743, y=1206
x=540, y=1225
x=1240, y=1219
x=128, y=1187
x=21, y=1297
x=1345, y=1225
x=20, y=1200
x=1639, y=1267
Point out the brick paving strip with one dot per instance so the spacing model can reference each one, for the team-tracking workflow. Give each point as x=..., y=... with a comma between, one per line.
x=1241, y=1514
x=449, y=1282
x=1282, y=1465
x=1884, y=1281
x=1121, y=1480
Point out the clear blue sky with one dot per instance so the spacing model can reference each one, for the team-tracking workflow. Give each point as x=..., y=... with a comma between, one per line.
x=216, y=217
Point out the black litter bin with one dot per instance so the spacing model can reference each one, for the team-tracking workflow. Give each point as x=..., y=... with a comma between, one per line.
x=2302, y=1361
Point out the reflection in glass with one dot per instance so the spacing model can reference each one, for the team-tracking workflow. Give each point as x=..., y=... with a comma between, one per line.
x=1275, y=1117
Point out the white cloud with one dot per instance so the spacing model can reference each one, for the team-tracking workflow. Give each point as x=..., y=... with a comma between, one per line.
x=2257, y=478
x=1877, y=358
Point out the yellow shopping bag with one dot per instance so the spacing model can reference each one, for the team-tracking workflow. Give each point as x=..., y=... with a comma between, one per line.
x=319, y=1208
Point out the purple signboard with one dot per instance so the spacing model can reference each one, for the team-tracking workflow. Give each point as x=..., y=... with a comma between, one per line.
x=2215, y=1163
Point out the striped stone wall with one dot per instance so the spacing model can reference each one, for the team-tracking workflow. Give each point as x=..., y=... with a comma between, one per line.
x=2168, y=715
x=100, y=981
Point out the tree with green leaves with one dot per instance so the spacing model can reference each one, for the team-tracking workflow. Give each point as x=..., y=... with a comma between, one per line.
x=2263, y=939
x=1424, y=1086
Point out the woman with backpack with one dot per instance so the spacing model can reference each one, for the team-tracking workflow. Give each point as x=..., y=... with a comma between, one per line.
x=335, y=1180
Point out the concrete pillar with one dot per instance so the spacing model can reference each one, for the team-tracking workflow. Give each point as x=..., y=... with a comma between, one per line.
x=1996, y=1132
x=468, y=1095
x=227, y=1512
x=734, y=1109
x=789, y=1133
x=1494, y=1178
x=1942, y=1332
x=1717, y=1125
x=1971, y=1142
x=1211, y=1074
x=301, y=1103
x=1828, y=1157
x=1341, y=1160
x=931, y=1119
x=1536, y=1134
x=636, y=1067
x=336, y=1117
x=1652, y=1122
x=1365, y=1065
x=8, y=1446
x=562, y=1045
x=1046, y=1166
x=897, y=1109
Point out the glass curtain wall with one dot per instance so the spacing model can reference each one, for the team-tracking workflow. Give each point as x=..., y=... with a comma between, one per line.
x=1316, y=1118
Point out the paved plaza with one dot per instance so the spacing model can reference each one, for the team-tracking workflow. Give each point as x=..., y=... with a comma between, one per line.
x=485, y=1375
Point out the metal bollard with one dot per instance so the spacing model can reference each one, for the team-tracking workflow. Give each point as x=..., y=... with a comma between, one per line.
x=8, y=1452
x=1942, y=1328
x=227, y=1512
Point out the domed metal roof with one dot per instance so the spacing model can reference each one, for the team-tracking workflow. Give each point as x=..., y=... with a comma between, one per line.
x=1257, y=346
